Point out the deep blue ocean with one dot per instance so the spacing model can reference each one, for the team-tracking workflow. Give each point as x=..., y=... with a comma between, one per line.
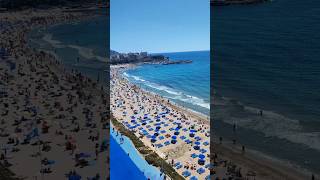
x=266, y=57
x=185, y=84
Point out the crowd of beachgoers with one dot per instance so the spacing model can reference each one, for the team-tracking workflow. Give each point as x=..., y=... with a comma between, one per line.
x=176, y=134
x=54, y=122
x=182, y=137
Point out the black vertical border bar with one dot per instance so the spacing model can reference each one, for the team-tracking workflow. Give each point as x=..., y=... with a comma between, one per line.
x=211, y=89
x=108, y=87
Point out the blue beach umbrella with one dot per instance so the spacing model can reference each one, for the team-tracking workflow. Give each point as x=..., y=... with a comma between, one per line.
x=186, y=173
x=201, y=161
x=201, y=170
x=197, y=143
x=174, y=137
x=196, y=147
x=194, y=155
x=202, y=156
x=193, y=178
x=203, y=150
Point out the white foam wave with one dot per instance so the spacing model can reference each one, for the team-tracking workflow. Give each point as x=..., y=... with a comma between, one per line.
x=54, y=43
x=87, y=53
x=83, y=51
x=172, y=93
x=271, y=124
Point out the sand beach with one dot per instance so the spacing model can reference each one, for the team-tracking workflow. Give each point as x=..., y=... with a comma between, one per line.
x=54, y=123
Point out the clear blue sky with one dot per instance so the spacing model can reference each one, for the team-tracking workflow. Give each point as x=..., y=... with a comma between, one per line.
x=159, y=25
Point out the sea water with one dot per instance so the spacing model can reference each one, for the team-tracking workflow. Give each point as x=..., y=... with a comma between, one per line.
x=82, y=45
x=187, y=85
x=266, y=57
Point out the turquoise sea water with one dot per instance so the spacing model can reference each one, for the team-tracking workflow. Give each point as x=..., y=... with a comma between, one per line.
x=185, y=84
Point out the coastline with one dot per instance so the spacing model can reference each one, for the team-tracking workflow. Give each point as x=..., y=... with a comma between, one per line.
x=190, y=112
x=49, y=69
x=181, y=151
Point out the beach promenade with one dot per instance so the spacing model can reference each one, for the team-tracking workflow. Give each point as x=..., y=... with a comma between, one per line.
x=54, y=123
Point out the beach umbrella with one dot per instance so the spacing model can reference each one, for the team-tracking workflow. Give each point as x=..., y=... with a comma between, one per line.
x=176, y=133
x=153, y=140
x=196, y=147
x=186, y=173
x=193, y=178
x=201, y=170
x=174, y=137
x=197, y=143
x=194, y=155
x=203, y=150
x=191, y=135
x=173, y=141
x=193, y=131
x=202, y=156
x=201, y=161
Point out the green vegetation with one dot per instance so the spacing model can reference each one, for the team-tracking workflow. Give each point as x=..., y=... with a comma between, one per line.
x=150, y=156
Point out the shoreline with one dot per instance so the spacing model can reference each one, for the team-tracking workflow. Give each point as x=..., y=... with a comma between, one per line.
x=32, y=72
x=182, y=151
x=193, y=113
